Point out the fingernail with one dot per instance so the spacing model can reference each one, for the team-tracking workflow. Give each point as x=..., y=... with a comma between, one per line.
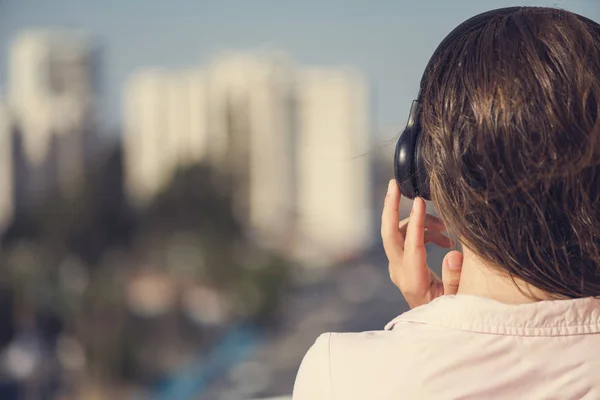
x=414, y=206
x=391, y=185
x=454, y=264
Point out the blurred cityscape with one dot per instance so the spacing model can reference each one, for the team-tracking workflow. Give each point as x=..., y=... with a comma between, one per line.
x=200, y=250
x=186, y=233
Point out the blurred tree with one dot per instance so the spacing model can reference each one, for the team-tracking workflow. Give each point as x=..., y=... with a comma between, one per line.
x=192, y=203
x=65, y=240
x=97, y=218
x=190, y=231
x=104, y=217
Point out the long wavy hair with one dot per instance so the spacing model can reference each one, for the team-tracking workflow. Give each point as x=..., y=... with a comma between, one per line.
x=511, y=137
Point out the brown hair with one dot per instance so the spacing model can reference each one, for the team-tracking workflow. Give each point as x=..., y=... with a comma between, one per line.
x=511, y=140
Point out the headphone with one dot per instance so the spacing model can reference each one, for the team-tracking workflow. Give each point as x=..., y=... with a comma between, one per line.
x=409, y=167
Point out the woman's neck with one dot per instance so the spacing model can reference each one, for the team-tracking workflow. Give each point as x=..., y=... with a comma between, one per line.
x=478, y=279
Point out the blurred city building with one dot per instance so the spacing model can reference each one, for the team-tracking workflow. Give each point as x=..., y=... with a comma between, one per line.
x=334, y=163
x=164, y=129
x=291, y=143
x=252, y=130
x=50, y=102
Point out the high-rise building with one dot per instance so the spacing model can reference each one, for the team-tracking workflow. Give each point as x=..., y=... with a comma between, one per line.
x=252, y=131
x=334, y=164
x=51, y=92
x=234, y=115
x=144, y=135
x=165, y=128
x=292, y=145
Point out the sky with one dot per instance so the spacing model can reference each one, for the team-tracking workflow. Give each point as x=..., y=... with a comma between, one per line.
x=388, y=41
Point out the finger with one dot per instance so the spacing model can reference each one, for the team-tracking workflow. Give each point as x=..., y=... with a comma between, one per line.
x=439, y=239
x=431, y=222
x=415, y=268
x=415, y=229
x=393, y=239
x=451, y=269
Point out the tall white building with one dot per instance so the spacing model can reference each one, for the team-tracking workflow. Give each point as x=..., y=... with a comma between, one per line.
x=165, y=128
x=51, y=91
x=334, y=188
x=235, y=116
x=292, y=144
x=252, y=137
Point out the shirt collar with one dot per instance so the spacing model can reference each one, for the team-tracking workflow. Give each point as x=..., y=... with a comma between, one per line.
x=482, y=315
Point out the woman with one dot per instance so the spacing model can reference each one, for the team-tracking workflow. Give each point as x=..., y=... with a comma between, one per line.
x=505, y=139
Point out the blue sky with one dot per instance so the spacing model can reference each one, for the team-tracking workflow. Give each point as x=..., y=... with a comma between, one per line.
x=389, y=41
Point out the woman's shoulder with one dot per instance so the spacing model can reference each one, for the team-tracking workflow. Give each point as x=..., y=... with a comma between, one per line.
x=340, y=350
x=336, y=358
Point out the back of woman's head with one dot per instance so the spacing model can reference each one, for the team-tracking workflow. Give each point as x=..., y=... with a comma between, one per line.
x=511, y=140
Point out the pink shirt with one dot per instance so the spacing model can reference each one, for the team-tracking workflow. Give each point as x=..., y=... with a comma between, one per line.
x=463, y=347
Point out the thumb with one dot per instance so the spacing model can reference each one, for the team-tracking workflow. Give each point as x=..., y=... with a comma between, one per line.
x=451, y=269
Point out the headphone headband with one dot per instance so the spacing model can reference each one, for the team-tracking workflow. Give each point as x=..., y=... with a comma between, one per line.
x=471, y=23
x=459, y=31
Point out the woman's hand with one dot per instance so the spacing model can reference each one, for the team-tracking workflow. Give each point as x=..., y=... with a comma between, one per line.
x=404, y=244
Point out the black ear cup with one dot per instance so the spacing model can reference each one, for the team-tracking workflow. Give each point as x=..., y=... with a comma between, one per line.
x=409, y=169
x=403, y=163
